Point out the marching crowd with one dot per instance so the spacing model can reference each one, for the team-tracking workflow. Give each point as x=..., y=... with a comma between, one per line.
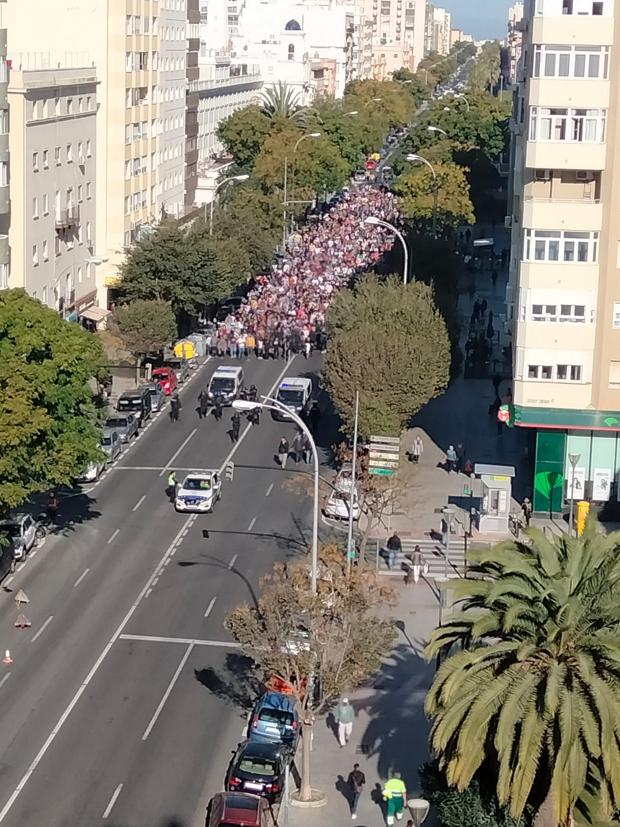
x=285, y=311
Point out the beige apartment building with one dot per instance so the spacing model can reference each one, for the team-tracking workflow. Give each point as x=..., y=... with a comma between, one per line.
x=53, y=150
x=397, y=35
x=564, y=285
x=121, y=38
x=4, y=154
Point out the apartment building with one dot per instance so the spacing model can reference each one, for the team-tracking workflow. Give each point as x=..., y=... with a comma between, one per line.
x=514, y=41
x=564, y=285
x=173, y=34
x=398, y=35
x=4, y=153
x=441, y=30
x=53, y=149
x=191, y=102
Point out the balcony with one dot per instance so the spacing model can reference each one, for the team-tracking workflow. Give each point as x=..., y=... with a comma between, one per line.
x=4, y=249
x=565, y=155
x=557, y=275
x=562, y=214
x=66, y=218
x=574, y=92
x=560, y=336
x=591, y=30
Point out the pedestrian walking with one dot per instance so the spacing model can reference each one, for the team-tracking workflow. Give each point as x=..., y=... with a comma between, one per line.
x=235, y=426
x=171, y=486
x=306, y=450
x=203, y=404
x=394, y=547
x=254, y=416
x=497, y=381
x=314, y=415
x=417, y=449
x=355, y=782
x=53, y=504
x=526, y=508
x=344, y=715
x=451, y=459
x=283, y=449
x=395, y=797
x=460, y=458
x=175, y=407
x=217, y=410
x=418, y=564
x=296, y=447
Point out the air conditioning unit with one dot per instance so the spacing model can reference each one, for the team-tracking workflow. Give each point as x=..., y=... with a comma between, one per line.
x=542, y=174
x=584, y=175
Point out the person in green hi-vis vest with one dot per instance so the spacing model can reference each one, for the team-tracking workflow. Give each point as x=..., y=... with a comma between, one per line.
x=395, y=797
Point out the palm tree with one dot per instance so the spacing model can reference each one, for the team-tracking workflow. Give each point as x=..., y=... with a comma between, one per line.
x=280, y=102
x=530, y=688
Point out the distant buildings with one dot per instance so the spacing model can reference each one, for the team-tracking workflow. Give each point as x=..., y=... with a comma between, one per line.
x=513, y=42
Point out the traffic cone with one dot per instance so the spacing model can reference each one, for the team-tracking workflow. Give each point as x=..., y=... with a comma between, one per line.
x=7, y=657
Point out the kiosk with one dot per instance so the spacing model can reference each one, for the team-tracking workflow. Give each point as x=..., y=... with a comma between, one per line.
x=496, y=495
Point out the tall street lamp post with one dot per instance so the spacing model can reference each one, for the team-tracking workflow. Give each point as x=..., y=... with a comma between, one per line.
x=285, y=213
x=378, y=222
x=215, y=191
x=414, y=157
x=573, y=459
x=274, y=405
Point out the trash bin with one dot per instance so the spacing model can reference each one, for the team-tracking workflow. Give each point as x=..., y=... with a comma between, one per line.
x=583, y=509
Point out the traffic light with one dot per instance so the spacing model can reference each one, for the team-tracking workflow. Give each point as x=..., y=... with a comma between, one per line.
x=230, y=470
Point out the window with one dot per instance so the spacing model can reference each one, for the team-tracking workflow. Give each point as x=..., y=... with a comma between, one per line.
x=89, y=150
x=46, y=159
x=616, y=316
x=79, y=275
x=556, y=245
x=35, y=207
x=35, y=255
x=571, y=61
x=4, y=173
x=46, y=204
x=57, y=156
x=614, y=374
x=88, y=233
x=45, y=251
x=555, y=373
x=574, y=125
x=35, y=161
x=80, y=193
x=69, y=106
x=44, y=295
x=88, y=190
x=69, y=153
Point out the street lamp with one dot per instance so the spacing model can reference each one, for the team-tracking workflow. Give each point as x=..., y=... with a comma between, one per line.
x=448, y=514
x=275, y=405
x=378, y=222
x=437, y=129
x=285, y=212
x=573, y=459
x=221, y=184
x=419, y=809
x=352, y=112
x=462, y=97
x=414, y=157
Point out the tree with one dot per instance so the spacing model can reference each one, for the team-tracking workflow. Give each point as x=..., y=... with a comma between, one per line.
x=532, y=693
x=184, y=267
x=48, y=432
x=280, y=102
x=387, y=101
x=244, y=133
x=413, y=84
x=486, y=69
x=417, y=191
x=145, y=326
x=390, y=343
x=335, y=636
x=253, y=220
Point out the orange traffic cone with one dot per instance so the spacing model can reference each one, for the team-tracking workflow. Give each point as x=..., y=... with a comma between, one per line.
x=7, y=657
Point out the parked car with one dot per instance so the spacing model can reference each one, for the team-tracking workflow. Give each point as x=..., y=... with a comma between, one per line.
x=21, y=530
x=136, y=401
x=238, y=810
x=199, y=491
x=158, y=397
x=125, y=425
x=166, y=378
x=93, y=470
x=111, y=444
x=337, y=504
x=258, y=768
x=275, y=720
x=180, y=367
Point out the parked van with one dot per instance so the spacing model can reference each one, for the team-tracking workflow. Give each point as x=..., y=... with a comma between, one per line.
x=136, y=401
x=296, y=393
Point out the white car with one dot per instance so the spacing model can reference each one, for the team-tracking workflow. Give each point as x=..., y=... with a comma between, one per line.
x=337, y=505
x=92, y=471
x=199, y=491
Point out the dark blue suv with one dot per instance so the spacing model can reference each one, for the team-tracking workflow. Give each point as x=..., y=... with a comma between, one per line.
x=275, y=720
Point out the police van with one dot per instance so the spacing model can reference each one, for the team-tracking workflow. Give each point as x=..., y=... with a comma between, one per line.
x=296, y=393
x=225, y=385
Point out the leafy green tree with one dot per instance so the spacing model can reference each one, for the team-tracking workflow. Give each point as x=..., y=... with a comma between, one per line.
x=145, y=326
x=280, y=102
x=389, y=342
x=244, y=133
x=388, y=101
x=48, y=432
x=413, y=83
x=419, y=188
x=337, y=635
x=184, y=267
x=486, y=69
x=531, y=695
x=253, y=220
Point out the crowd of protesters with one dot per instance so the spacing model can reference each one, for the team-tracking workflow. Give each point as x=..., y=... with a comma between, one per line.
x=285, y=310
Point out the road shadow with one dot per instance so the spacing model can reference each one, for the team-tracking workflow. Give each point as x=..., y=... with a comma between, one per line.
x=76, y=508
x=238, y=683
x=215, y=562
x=396, y=710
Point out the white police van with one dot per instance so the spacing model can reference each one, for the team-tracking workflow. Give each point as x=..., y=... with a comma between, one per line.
x=225, y=385
x=296, y=393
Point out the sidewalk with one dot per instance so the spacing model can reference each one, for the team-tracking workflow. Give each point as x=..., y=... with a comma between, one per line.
x=390, y=730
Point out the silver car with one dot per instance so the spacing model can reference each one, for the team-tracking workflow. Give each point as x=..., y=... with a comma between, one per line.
x=125, y=425
x=158, y=397
x=111, y=444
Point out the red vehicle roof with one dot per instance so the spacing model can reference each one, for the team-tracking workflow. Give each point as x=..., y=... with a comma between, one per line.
x=240, y=809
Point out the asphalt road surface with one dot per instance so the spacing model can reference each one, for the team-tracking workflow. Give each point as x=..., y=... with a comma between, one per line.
x=125, y=696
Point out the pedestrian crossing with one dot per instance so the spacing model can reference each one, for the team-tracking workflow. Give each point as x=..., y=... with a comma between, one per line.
x=433, y=552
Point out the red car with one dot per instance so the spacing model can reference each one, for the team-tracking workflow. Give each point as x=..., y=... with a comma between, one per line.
x=238, y=810
x=371, y=165
x=166, y=378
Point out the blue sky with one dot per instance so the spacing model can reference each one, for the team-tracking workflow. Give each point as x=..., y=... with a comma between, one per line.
x=482, y=19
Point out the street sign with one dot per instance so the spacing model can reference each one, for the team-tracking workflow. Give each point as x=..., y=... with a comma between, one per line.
x=383, y=455
x=21, y=597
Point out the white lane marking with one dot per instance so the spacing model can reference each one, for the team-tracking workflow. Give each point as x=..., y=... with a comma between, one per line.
x=33, y=553
x=5, y=679
x=210, y=606
x=233, y=560
x=80, y=578
x=21, y=566
x=269, y=490
x=93, y=671
x=177, y=452
x=148, y=593
x=251, y=526
x=139, y=503
x=225, y=644
x=42, y=629
x=153, y=468
x=112, y=801
x=162, y=703
x=114, y=536
x=9, y=580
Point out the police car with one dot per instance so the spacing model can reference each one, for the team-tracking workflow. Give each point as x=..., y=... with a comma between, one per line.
x=226, y=384
x=296, y=394
x=199, y=492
